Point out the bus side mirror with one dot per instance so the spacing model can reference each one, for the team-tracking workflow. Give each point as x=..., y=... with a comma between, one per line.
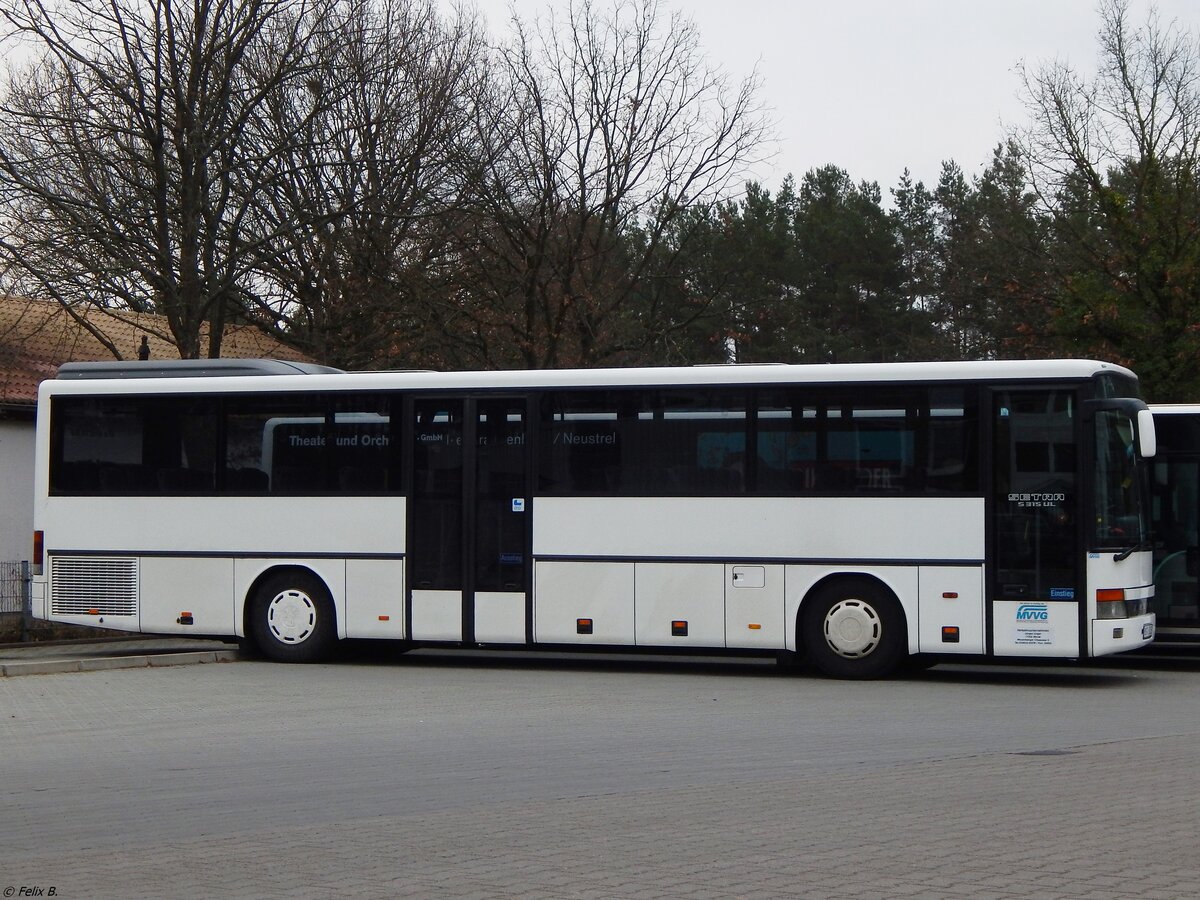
x=1147, y=444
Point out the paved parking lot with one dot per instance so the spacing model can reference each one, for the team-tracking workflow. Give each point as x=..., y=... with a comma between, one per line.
x=467, y=775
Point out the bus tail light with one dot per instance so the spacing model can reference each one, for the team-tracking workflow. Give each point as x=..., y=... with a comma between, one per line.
x=39, y=551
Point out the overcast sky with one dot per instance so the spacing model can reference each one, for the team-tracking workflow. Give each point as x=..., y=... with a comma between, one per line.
x=875, y=86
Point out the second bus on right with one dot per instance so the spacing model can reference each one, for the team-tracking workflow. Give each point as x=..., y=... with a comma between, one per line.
x=1175, y=510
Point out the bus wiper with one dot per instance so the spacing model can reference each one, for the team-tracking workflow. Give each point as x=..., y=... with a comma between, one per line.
x=1128, y=551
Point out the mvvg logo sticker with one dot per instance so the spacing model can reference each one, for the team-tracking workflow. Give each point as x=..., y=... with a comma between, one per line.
x=1033, y=612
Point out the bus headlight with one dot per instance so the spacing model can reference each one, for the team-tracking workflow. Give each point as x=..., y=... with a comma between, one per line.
x=1111, y=604
x=1110, y=609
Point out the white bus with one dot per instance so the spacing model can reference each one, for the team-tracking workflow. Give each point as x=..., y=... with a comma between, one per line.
x=853, y=514
x=1175, y=520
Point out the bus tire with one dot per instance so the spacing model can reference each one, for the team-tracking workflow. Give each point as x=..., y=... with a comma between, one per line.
x=854, y=628
x=292, y=618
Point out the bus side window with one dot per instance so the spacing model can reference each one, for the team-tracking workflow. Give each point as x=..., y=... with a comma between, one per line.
x=952, y=442
x=246, y=481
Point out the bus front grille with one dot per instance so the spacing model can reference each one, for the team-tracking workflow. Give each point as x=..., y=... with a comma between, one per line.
x=93, y=585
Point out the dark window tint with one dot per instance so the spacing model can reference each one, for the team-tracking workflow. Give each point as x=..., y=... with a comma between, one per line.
x=366, y=449
x=829, y=441
x=311, y=444
x=584, y=441
x=276, y=443
x=436, y=537
x=1119, y=502
x=949, y=461
x=867, y=441
x=779, y=442
x=644, y=443
x=133, y=445
x=1036, y=498
x=283, y=444
x=1176, y=517
x=500, y=521
x=1114, y=384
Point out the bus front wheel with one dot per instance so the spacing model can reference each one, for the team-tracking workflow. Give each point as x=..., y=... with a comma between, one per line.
x=854, y=629
x=292, y=618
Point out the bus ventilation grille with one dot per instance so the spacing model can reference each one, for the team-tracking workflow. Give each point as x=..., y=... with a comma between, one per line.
x=93, y=585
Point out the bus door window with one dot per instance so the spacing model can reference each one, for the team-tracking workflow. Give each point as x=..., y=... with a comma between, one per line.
x=500, y=492
x=436, y=532
x=1035, y=495
x=1176, y=498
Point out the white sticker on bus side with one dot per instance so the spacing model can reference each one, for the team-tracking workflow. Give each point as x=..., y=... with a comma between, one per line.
x=1035, y=627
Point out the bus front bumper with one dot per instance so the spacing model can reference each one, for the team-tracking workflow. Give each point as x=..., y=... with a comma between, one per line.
x=1116, y=635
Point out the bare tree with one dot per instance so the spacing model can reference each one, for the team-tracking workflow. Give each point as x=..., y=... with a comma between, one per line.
x=1143, y=105
x=1115, y=161
x=386, y=168
x=604, y=130
x=123, y=161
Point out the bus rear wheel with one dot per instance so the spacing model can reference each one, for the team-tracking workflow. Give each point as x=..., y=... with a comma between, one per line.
x=292, y=618
x=854, y=629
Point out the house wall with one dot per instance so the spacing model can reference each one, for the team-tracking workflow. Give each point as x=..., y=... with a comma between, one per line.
x=16, y=489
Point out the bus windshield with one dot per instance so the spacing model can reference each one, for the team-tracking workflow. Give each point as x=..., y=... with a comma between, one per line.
x=1121, y=512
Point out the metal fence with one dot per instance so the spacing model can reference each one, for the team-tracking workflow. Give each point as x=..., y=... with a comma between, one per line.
x=14, y=587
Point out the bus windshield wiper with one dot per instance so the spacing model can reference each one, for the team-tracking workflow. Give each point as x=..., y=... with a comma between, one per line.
x=1128, y=551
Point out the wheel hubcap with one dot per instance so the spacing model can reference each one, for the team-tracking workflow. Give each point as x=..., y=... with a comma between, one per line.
x=852, y=628
x=291, y=616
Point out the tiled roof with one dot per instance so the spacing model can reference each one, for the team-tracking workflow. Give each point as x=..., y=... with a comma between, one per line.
x=36, y=337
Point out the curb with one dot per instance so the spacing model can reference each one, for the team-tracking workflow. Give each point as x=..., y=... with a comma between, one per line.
x=72, y=642
x=101, y=664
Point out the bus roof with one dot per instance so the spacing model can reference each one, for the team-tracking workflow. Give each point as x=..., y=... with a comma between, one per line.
x=249, y=375
x=189, y=368
x=1175, y=409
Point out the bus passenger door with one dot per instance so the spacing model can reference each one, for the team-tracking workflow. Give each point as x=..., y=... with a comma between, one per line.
x=502, y=536
x=468, y=546
x=1036, y=590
